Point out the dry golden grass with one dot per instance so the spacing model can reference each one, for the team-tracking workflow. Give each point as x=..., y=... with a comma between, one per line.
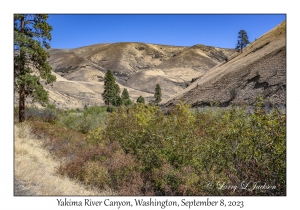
x=264, y=59
x=37, y=168
x=138, y=67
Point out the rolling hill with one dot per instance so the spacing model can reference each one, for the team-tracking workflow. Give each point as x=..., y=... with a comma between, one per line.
x=136, y=66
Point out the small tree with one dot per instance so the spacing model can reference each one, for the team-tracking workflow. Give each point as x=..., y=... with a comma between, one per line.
x=111, y=92
x=125, y=94
x=117, y=90
x=140, y=99
x=242, y=40
x=126, y=98
x=157, y=94
x=118, y=101
x=31, y=36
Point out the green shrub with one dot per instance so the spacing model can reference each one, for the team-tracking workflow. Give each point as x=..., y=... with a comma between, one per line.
x=71, y=121
x=46, y=114
x=140, y=99
x=87, y=120
x=111, y=109
x=140, y=151
x=220, y=145
x=88, y=123
x=128, y=102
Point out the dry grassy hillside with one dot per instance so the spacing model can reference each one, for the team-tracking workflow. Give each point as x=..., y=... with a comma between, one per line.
x=68, y=94
x=259, y=70
x=176, y=72
x=123, y=59
x=136, y=66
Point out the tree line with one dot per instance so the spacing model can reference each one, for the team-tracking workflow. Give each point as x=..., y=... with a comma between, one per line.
x=112, y=97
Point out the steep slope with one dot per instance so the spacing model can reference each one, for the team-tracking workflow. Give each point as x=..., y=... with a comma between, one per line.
x=259, y=70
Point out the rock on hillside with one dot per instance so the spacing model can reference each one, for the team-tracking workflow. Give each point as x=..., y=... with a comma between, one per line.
x=259, y=70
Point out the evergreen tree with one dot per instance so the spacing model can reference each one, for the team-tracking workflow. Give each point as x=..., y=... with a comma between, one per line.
x=157, y=94
x=111, y=94
x=140, y=99
x=109, y=88
x=118, y=101
x=125, y=94
x=126, y=98
x=117, y=90
x=242, y=40
x=31, y=36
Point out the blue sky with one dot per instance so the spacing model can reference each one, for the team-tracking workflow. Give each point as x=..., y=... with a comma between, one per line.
x=71, y=31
